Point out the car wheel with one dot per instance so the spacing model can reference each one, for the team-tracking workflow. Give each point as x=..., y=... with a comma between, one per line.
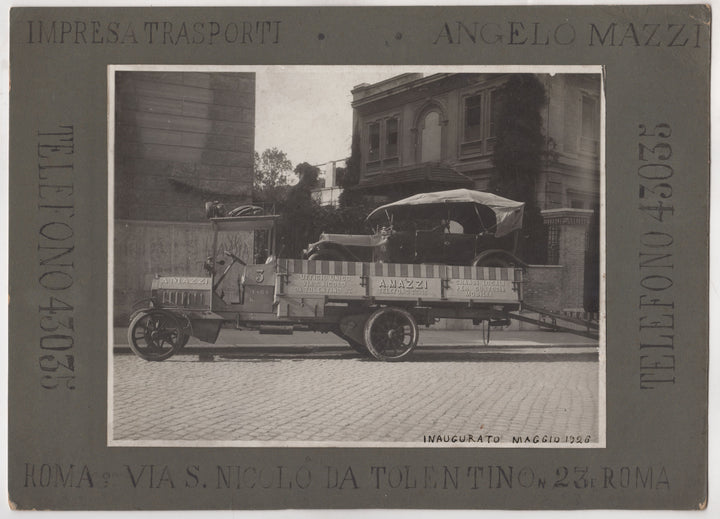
x=391, y=334
x=155, y=335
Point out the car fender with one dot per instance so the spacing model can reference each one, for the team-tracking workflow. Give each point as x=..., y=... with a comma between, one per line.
x=335, y=248
x=501, y=256
x=179, y=315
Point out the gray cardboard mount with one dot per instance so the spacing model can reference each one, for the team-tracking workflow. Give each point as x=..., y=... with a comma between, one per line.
x=656, y=66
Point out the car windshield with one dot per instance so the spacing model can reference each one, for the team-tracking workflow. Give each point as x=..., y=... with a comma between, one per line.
x=428, y=224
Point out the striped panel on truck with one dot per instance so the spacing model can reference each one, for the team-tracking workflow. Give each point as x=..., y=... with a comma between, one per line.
x=352, y=268
x=408, y=270
x=490, y=273
x=398, y=281
x=326, y=267
x=321, y=278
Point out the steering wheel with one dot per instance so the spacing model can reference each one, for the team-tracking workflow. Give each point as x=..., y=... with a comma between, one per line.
x=234, y=258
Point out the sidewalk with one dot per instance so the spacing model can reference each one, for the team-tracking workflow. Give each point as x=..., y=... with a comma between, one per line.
x=428, y=338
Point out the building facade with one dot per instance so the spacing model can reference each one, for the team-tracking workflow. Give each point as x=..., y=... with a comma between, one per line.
x=420, y=133
x=411, y=125
x=181, y=139
x=329, y=193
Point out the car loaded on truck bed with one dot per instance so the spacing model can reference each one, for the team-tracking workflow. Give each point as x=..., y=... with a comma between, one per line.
x=457, y=227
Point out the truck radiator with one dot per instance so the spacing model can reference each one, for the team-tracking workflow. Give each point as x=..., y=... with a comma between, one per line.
x=185, y=298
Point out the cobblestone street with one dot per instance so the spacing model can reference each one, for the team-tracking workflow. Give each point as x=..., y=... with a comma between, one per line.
x=330, y=394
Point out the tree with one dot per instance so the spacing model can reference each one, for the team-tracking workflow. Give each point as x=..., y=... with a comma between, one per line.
x=270, y=186
x=351, y=175
x=518, y=156
x=307, y=176
x=270, y=176
x=298, y=224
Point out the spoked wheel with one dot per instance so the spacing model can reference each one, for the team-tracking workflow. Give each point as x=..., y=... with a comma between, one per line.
x=391, y=334
x=155, y=335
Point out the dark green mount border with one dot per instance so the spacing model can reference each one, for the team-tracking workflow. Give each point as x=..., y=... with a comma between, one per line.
x=664, y=429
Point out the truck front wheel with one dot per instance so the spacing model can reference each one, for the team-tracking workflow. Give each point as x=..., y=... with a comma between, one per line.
x=155, y=335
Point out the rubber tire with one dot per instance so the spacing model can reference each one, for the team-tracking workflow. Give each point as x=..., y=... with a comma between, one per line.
x=184, y=338
x=170, y=323
x=376, y=319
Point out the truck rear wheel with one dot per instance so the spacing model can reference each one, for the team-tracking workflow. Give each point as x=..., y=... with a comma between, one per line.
x=391, y=334
x=155, y=335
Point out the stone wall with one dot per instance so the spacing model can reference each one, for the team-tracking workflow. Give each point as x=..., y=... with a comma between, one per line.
x=145, y=249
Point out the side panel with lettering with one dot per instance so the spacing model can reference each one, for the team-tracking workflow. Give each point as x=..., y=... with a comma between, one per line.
x=405, y=288
x=481, y=290
x=324, y=285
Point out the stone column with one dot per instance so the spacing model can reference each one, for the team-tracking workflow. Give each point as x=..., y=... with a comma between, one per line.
x=567, y=246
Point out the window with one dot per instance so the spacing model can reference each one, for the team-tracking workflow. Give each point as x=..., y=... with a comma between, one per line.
x=553, y=245
x=481, y=111
x=581, y=199
x=495, y=105
x=374, y=142
x=383, y=142
x=430, y=150
x=473, y=118
x=391, y=138
x=590, y=125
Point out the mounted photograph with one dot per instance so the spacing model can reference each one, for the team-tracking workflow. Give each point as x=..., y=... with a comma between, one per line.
x=356, y=256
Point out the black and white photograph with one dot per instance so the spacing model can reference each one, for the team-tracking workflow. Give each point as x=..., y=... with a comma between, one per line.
x=371, y=258
x=356, y=256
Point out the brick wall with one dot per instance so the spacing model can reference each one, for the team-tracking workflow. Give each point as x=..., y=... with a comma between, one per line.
x=571, y=227
x=543, y=286
x=572, y=252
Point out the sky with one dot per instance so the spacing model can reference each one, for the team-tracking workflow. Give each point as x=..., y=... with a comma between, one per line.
x=305, y=111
